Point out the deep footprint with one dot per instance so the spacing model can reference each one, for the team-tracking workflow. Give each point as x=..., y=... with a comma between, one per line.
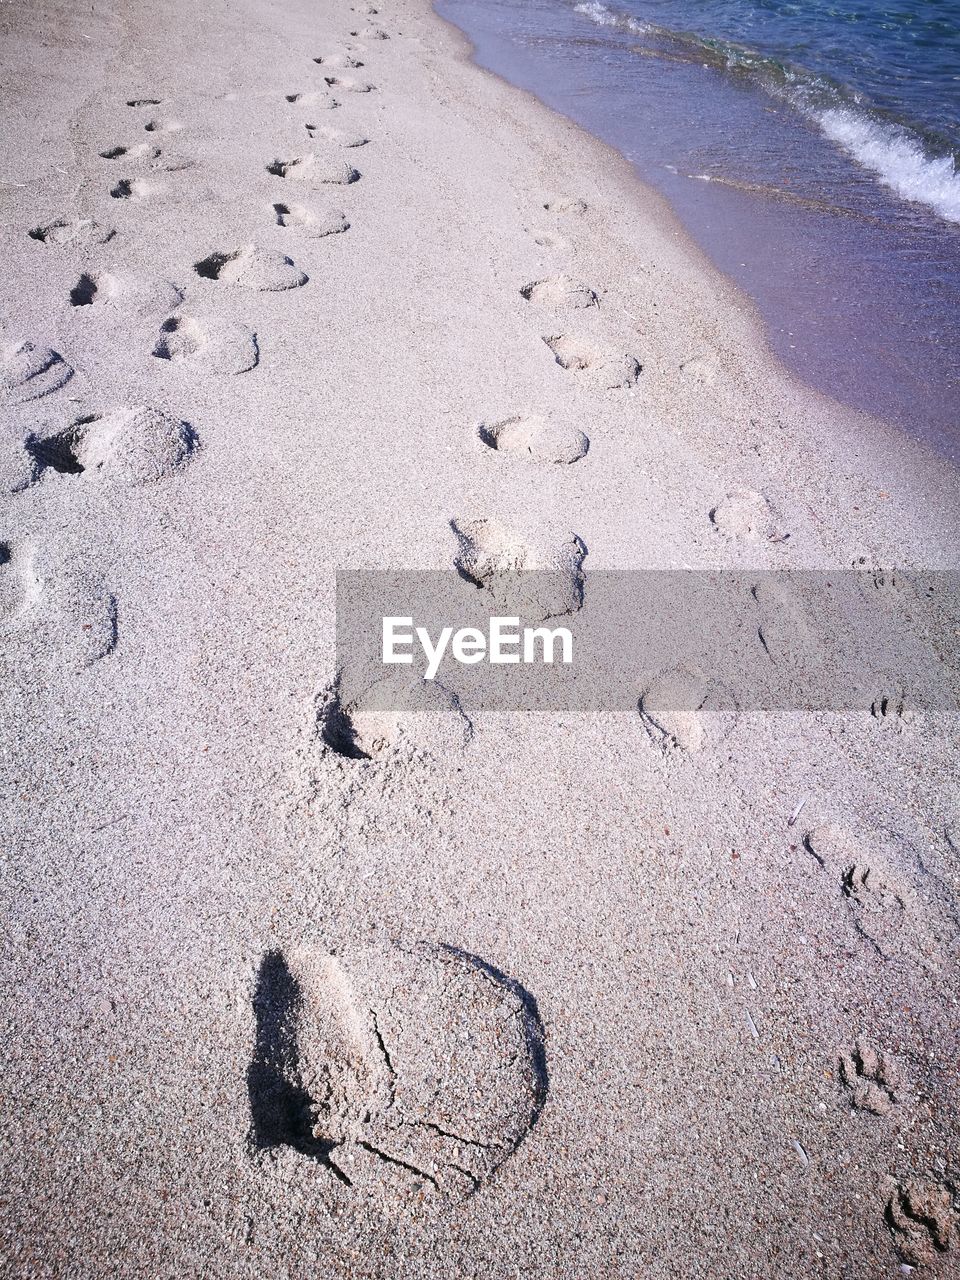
x=313, y=170
x=605, y=370
x=560, y=292
x=220, y=347
x=536, y=438
x=535, y=577
x=263, y=270
x=133, y=446
x=312, y=220
x=406, y=1071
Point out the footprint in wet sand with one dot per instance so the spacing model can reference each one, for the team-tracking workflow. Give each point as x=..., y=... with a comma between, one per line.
x=314, y=171
x=385, y=719
x=409, y=1072
x=923, y=1219
x=263, y=270
x=499, y=560
x=605, y=370
x=872, y=1078
x=313, y=220
x=536, y=438
x=216, y=346
x=71, y=231
x=142, y=297
x=133, y=446
x=318, y=99
x=900, y=908
x=336, y=137
x=29, y=371
x=685, y=711
x=560, y=292
x=743, y=515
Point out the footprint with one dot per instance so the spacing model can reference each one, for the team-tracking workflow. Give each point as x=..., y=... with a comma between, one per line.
x=702, y=369
x=313, y=170
x=143, y=297
x=133, y=446
x=548, y=239
x=337, y=137
x=872, y=1078
x=222, y=347
x=560, y=291
x=347, y=84
x=744, y=515
x=19, y=588
x=370, y=33
x=901, y=909
x=142, y=152
x=131, y=189
x=499, y=560
x=784, y=630
x=406, y=1071
x=565, y=204
x=29, y=371
x=536, y=438
x=318, y=99
x=684, y=711
x=338, y=60
x=71, y=231
x=162, y=125
x=264, y=270
x=892, y=708
x=606, y=370
x=374, y=723
x=923, y=1220
x=315, y=221
x=18, y=469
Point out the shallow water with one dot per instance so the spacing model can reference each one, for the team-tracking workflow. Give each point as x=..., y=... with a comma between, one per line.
x=809, y=149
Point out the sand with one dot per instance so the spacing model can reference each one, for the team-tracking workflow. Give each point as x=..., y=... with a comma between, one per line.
x=509, y=995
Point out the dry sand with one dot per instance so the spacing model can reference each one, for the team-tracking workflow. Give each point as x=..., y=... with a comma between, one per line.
x=545, y=996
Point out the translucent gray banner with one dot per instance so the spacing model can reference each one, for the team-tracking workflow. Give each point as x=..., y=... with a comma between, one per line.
x=675, y=640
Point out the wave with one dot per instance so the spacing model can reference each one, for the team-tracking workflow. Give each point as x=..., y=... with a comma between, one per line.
x=916, y=169
x=898, y=159
x=605, y=17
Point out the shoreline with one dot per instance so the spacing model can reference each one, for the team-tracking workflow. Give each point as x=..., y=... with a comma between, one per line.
x=875, y=368
x=293, y=987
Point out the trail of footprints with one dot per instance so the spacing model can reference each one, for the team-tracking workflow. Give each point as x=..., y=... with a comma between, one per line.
x=135, y=445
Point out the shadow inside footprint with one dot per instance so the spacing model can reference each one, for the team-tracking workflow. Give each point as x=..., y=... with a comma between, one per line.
x=280, y=1107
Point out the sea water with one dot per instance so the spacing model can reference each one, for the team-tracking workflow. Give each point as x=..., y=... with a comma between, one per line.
x=811, y=148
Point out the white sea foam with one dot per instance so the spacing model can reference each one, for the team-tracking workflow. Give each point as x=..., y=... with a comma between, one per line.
x=898, y=160
x=605, y=17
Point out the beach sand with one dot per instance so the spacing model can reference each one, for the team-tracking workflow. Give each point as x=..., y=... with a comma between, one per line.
x=534, y=995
